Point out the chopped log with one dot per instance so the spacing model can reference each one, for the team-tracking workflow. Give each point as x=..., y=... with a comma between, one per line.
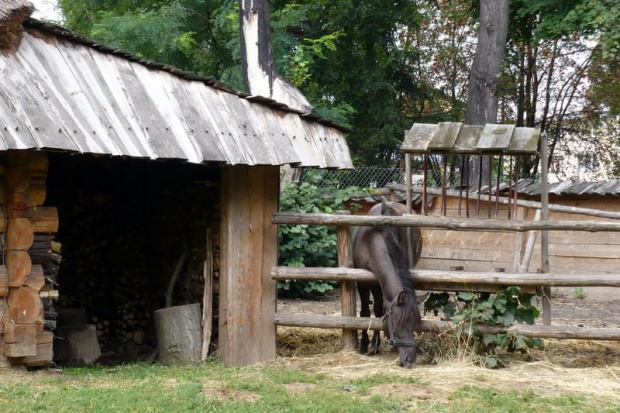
x=45, y=220
x=289, y=218
x=38, y=163
x=179, y=333
x=18, y=266
x=50, y=324
x=19, y=234
x=76, y=345
x=25, y=306
x=20, y=349
x=17, y=179
x=559, y=332
x=53, y=294
x=45, y=351
x=20, y=333
x=36, y=278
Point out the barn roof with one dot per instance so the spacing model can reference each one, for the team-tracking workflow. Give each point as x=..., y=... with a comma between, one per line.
x=454, y=137
x=62, y=91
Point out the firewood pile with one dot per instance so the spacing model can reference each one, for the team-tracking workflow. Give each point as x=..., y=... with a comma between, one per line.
x=124, y=226
x=30, y=261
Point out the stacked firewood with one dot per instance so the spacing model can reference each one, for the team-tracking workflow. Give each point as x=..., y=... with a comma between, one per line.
x=26, y=252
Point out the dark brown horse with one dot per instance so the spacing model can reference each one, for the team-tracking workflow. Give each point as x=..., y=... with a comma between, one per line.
x=383, y=251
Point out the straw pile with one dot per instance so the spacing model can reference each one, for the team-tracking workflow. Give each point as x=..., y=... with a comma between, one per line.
x=563, y=366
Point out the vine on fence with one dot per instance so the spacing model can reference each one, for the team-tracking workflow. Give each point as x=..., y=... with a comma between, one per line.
x=502, y=309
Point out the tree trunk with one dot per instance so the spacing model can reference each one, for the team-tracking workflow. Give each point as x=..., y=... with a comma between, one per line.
x=484, y=76
x=259, y=65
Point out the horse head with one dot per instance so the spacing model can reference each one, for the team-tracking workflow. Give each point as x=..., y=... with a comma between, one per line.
x=401, y=317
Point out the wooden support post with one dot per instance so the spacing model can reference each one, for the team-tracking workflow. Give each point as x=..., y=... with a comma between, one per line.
x=409, y=203
x=249, y=197
x=544, y=236
x=348, y=293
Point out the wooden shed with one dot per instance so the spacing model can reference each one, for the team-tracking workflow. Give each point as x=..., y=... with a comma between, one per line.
x=127, y=163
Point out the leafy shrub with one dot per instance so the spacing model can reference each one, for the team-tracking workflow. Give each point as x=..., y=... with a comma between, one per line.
x=502, y=309
x=309, y=245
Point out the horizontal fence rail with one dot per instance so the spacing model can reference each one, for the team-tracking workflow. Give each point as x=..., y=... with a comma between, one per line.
x=366, y=323
x=421, y=221
x=430, y=278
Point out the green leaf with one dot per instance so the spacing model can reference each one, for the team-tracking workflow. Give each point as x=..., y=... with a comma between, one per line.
x=465, y=296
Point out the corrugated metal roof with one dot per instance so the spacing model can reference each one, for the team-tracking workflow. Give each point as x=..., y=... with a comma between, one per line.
x=63, y=91
x=454, y=137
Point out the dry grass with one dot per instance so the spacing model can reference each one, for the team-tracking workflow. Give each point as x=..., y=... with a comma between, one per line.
x=562, y=367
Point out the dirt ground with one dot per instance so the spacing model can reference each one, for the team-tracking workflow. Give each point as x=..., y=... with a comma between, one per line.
x=563, y=367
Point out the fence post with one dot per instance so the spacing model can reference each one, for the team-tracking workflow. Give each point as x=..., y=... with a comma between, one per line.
x=348, y=293
x=544, y=235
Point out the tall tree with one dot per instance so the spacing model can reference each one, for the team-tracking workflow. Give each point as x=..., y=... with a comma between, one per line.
x=484, y=76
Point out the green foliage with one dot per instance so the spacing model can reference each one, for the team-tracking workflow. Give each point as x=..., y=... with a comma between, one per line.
x=578, y=293
x=309, y=245
x=502, y=309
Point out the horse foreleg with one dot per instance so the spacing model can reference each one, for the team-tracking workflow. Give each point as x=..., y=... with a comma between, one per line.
x=377, y=295
x=364, y=291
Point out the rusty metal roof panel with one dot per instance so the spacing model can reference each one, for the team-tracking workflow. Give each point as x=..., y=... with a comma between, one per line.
x=454, y=137
x=62, y=92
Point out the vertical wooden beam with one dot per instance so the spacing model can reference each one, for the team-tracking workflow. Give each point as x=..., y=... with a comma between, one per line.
x=348, y=293
x=409, y=203
x=544, y=236
x=207, y=299
x=249, y=196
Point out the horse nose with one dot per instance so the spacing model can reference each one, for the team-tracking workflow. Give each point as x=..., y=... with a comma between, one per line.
x=407, y=362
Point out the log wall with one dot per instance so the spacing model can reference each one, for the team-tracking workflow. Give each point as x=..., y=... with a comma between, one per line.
x=26, y=227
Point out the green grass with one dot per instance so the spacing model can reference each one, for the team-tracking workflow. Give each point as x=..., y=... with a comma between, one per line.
x=159, y=388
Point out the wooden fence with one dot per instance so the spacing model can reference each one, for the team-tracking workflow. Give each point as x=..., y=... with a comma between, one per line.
x=438, y=280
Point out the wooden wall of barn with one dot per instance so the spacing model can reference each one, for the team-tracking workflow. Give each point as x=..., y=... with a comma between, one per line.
x=570, y=252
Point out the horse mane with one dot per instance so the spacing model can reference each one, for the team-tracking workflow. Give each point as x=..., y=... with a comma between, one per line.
x=396, y=242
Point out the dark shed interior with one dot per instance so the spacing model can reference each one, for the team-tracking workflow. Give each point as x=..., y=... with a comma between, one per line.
x=125, y=225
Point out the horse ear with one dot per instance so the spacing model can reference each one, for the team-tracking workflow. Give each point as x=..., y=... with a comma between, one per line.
x=400, y=300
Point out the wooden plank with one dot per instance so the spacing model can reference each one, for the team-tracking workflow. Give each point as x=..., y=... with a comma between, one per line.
x=524, y=140
x=45, y=220
x=20, y=333
x=444, y=136
x=468, y=239
x=495, y=137
x=558, y=332
x=467, y=140
x=468, y=254
x=441, y=222
x=207, y=298
x=442, y=264
x=20, y=349
x=418, y=138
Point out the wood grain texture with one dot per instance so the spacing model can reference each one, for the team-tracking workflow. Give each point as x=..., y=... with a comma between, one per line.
x=25, y=306
x=248, y=252
x=18, y=266
x=348, y=290
x=19, y=234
